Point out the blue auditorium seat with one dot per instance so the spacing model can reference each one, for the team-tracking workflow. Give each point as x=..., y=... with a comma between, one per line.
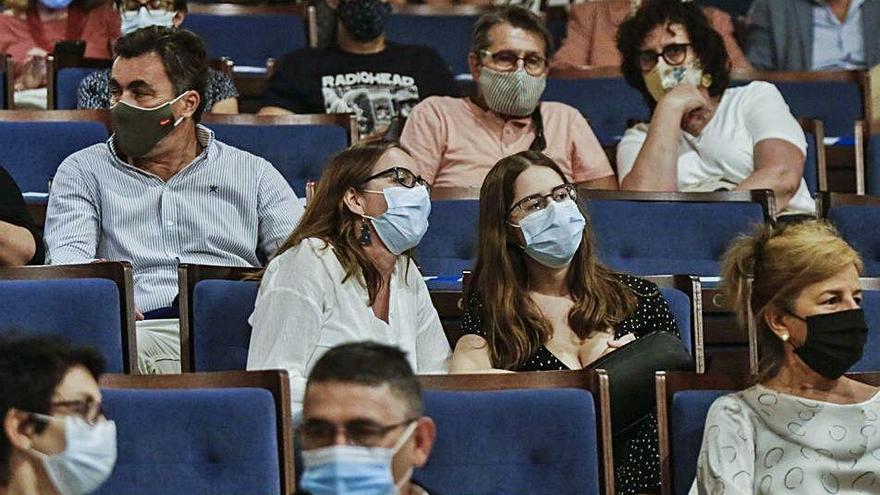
x=249, y=39
x=220, y=330
x=871, y=356
x=449, y=35
x=608, y=103
x=658, y=237
x=194, y=442
x=32, y=151
x=682, y=309
x=450, y=244
x=811, y=164
x=687, y=420
x=810, y=99
x=860, y=226
x=304, y=151
x=872, y=165
x=66, y=86
x=84, y=311
x=548, y=446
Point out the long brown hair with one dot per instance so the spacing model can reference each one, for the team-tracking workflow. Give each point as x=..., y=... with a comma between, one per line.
x=770, y=267
x=514, y=325
x=329, y=219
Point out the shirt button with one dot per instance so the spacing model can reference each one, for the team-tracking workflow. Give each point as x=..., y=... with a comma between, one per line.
x=169, y=223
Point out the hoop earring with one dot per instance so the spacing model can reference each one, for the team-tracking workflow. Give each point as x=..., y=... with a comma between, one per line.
x=365, y=239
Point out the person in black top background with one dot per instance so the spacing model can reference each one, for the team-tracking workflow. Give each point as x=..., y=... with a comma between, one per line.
x=363, y=74
x=540, y=299
x=20, y=241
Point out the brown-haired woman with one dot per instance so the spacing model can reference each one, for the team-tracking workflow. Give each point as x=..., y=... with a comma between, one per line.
x=803, y=427
x=29, y=30
x=541, y=300
x=345, y=274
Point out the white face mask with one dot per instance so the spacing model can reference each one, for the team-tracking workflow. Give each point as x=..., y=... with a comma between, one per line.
x=405, y=222
x=88, y=458
x=147, y=17
x=553, y=235
x=663, y=77
x=354, y=469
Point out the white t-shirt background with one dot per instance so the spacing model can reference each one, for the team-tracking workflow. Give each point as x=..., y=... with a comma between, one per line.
x=722, y=155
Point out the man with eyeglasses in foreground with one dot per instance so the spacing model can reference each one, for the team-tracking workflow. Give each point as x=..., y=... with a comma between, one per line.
x=363, y=428
x=456, y=141
x=55, y=437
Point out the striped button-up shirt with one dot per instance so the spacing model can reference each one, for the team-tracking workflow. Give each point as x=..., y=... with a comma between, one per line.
x=227, y=207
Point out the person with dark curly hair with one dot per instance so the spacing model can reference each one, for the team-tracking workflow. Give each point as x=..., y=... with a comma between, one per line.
x=703, y=136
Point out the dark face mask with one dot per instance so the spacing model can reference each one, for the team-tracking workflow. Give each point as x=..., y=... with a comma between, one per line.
x=137, y=130
x=835, y=341
x=363, y=19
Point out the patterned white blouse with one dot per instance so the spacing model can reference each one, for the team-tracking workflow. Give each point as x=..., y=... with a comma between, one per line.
x=760, y=441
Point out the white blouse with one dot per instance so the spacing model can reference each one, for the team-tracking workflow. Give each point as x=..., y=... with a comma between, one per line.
x=760, y=441
x=303, y=309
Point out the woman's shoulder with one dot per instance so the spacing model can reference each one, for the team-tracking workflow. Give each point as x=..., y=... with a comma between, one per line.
x=305, y=259
x=732, y=408
x=641, y=287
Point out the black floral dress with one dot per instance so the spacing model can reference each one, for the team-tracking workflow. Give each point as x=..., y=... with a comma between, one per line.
x=636, y=456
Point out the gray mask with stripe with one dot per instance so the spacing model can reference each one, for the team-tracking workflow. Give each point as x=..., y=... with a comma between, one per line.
x=513, y=93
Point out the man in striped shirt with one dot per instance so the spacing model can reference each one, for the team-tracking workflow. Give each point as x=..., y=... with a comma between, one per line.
x=162, y=190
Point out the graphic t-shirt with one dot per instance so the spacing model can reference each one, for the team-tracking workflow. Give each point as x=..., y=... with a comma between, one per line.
x=375, y=87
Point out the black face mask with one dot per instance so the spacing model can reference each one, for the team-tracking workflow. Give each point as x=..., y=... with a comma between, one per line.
x=835, y=341
x=363, y=19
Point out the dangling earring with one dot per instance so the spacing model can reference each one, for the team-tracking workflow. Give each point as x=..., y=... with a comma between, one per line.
x=706, y=80
x=364, y=239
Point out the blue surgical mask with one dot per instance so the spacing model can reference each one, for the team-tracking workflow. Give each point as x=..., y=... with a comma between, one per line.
x=352, y=469
x=553, y=235
x=88, y=458
x=56, y=4
x=405, y=222
x=145, y=18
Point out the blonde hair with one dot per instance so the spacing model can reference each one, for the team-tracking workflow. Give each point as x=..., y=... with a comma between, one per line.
x=770, y=268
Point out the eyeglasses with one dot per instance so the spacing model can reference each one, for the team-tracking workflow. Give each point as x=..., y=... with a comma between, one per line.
x=365, y=433
x=507, y=60
x=403, y=176
x=88, y=409
x=130, y=8
x=537, y=202
x=673, y=54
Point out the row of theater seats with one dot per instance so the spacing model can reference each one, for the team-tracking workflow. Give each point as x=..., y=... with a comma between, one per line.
x=230, y=432
x=641, y=233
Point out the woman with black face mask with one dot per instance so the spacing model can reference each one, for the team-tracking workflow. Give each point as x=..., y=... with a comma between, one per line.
x=803, y=427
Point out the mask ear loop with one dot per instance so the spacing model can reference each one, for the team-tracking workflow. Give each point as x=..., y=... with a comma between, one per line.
x=407, y=433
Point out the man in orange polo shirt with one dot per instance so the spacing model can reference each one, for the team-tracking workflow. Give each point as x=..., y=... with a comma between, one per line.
x=456, y=141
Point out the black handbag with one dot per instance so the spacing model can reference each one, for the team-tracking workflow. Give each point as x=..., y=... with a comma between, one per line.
x=631, y=371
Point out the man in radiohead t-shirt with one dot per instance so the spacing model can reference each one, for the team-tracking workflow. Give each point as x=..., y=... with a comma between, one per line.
x=363, y=74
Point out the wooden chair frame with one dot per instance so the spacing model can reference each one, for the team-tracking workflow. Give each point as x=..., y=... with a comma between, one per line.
x=668, y=383
x=345, y=120
x=188, y=275
x=817, y=128
x=764, y=197
x=595, y=381
x=9, y=87
x=827, y=200
x=690, y=285
x=119, y=272
x=276, y=381
x=102, y=116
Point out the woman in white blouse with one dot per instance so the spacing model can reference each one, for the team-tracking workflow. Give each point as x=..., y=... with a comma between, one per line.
x=803, y=427
x=345, y=274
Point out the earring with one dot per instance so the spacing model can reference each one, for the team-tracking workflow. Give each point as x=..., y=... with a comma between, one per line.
x=706, y=80
x=784, y=337
x=365, y=239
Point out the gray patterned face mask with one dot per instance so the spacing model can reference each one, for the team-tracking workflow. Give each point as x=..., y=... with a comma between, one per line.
x=511, y=93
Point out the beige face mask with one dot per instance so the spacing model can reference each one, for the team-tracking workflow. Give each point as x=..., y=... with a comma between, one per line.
x=663, y=77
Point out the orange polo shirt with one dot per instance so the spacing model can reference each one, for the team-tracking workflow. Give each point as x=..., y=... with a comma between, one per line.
x=455, y=142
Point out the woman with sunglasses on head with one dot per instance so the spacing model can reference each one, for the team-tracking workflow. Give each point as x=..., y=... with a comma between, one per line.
x=704, y=136
x=345, y=274
x=540, y=300
x=803, y=427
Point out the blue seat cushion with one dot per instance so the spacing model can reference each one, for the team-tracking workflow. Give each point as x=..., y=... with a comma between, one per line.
x=687, y=420
x=249, y=40
x=195, y=442
x=450, y=244
x=512, y=441
x=860, y=226
x=83, y=311
x=680, y=305
x=67, y=85
x=221, y=332
x=871, y=355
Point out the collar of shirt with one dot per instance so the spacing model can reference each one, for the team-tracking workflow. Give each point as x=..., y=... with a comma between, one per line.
x=204, y=135
x=492, y=119
x=854, y=5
